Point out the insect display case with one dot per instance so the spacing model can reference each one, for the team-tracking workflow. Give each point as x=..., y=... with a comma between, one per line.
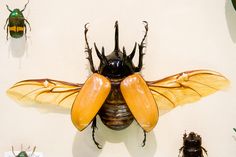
x=182, y=47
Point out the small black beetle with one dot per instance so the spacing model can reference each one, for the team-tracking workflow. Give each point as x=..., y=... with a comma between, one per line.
x=192, y=146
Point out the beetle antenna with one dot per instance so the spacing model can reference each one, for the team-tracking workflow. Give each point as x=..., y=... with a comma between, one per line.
x=117, y=49
x=25, y=6
x=131, y=56
x=8, y=8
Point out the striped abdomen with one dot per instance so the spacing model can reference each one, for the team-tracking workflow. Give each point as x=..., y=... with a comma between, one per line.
x=115, y=113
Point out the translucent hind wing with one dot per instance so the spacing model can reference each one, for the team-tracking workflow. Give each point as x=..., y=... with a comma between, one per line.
x=186, y=87
x=45, y=91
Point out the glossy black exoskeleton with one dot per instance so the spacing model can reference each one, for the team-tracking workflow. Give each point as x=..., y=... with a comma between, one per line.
x=192, y=146
x=114, y=113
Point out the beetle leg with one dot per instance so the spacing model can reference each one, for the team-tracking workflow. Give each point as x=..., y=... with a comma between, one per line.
x=7, y=33
x=28, y=24
x=88, y=50
x=180, y=150
x=33, y=151
x=140, y=47
x=144, y=140
x=25, y=32
x=204, y=150
x=12, y=150
x=94, y=126
x=6, y=24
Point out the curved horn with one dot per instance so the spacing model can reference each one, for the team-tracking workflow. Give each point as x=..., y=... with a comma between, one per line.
x=101, y=56
x=97, y=51
x=131, y=56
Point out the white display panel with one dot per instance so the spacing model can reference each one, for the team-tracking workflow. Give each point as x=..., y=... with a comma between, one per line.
x=183, y=35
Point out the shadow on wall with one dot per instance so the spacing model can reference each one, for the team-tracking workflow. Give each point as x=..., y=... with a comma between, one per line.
x=230, y=14
x=17, y=48
x=132, y=137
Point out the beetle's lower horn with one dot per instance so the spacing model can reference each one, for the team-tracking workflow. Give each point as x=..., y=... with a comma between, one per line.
x=131, y=56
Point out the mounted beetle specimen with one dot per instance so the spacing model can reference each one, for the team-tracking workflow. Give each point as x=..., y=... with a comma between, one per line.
x=16, y=23
x=23, y=153
x=117, y=92
x=192, y=146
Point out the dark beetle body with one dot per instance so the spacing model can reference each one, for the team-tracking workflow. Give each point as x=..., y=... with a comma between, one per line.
x=116, y=66
x=114, y=113
x=192, y=146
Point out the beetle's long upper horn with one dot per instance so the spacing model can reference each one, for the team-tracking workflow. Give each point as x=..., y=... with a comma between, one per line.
x=117, y=49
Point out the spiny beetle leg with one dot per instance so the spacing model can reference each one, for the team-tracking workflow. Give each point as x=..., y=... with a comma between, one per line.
x=94, y=126
x=88, y=49
x=145, y=137
x=141, y=46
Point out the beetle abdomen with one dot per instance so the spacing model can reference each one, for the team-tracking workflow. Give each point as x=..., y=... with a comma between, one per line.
x=114, y=113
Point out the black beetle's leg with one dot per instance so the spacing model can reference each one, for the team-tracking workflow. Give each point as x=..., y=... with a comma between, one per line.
x=145, y=137
x=88, y=50
x=12, y=150
x=94, y=126
x=204, y=150
x=180, y=150
x=140, y=47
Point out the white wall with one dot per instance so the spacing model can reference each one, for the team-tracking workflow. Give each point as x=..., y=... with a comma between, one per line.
x=184, y=35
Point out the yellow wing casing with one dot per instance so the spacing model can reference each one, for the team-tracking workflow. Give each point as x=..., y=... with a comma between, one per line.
x=89, y=100
x=140, y=101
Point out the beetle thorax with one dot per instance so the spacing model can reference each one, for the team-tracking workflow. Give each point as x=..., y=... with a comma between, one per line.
x=16, y=13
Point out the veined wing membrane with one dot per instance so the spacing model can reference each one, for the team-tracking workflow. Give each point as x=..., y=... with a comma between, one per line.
x=186, y=87
x=45, y=91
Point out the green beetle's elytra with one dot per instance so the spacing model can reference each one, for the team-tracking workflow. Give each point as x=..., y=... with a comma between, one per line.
x=16, y=23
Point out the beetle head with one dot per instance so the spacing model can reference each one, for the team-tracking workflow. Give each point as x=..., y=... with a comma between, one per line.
x=117, y=64
x=192, y=140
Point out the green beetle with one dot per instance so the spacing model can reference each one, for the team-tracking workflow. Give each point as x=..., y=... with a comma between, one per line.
x=23, y=153
x=16, y=23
